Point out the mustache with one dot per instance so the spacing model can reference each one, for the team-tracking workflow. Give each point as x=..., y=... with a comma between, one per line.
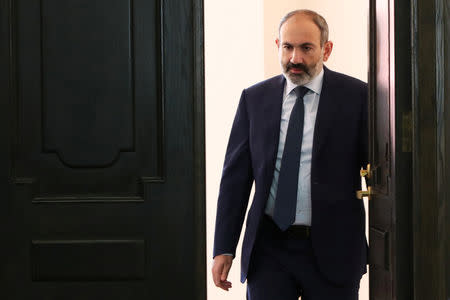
x=297, y=66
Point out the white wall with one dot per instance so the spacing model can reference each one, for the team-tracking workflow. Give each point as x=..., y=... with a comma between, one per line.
x=233, y=60
x=240, y=51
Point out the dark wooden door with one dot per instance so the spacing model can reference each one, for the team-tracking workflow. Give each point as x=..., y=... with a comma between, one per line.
x=390, y=151
x=409, y=101
x=381, y=155
x=102, y=159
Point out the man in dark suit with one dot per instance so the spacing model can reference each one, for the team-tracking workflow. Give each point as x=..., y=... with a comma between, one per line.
x=301, y=137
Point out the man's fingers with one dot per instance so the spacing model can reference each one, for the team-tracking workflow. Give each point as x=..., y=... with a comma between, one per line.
x=225, y=285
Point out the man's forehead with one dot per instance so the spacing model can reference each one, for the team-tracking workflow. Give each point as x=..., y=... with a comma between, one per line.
x=300, y=31
x=300, y=22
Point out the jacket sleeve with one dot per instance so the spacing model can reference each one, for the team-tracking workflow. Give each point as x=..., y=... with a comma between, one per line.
x=235, y=185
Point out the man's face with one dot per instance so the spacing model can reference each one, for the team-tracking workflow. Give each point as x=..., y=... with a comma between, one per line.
x=299, y=50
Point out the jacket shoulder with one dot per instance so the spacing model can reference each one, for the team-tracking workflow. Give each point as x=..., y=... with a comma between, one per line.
x=345, y=80
x=267, y=83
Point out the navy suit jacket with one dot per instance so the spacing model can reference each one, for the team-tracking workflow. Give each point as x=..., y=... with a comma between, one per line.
x=339, y=151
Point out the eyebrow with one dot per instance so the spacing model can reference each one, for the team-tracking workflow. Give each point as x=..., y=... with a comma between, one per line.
x=301, y=45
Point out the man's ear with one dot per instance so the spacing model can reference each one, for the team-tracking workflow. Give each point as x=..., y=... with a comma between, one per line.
x=327, y=48
x=277, y=41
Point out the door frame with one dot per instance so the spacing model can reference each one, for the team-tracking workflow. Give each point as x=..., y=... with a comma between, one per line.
x=431, y=148
x=199, y=148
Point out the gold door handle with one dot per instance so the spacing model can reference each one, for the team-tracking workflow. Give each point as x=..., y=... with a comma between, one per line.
x=367, y=174
x=361, y=194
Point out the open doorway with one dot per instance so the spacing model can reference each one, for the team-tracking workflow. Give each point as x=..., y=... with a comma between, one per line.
x=240, y=51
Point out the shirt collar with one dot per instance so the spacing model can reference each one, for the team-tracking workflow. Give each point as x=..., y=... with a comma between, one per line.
x=314, y=85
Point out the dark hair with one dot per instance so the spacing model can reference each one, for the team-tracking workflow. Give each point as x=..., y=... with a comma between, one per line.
x=315, y=17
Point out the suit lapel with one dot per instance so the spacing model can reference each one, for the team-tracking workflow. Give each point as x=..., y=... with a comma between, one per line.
x=326, y=111
x=274, y=102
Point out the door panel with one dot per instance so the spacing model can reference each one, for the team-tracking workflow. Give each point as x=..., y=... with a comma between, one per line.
x=106, y=188
x=90, y=104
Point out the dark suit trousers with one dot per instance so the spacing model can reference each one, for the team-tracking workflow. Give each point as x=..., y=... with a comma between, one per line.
x=283, y=267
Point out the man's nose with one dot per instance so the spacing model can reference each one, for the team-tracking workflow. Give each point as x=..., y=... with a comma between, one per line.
x=296, y=57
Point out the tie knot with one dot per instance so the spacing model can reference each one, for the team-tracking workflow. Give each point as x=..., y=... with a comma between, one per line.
x=301, y=91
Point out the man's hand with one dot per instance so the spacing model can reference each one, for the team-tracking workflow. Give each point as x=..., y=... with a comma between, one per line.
x=221, y=267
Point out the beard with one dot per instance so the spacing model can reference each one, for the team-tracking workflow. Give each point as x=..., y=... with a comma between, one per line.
x=309, y=72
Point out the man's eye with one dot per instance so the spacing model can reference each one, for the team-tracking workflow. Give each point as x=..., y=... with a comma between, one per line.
x=287, y=47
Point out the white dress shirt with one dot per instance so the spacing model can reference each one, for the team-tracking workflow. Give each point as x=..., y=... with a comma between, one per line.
x=311, y=102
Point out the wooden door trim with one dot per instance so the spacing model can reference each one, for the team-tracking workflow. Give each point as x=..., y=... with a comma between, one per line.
x=446, y=181
x=429, y=206
x=199, y=149
x=8, y=96
x=403, y=206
